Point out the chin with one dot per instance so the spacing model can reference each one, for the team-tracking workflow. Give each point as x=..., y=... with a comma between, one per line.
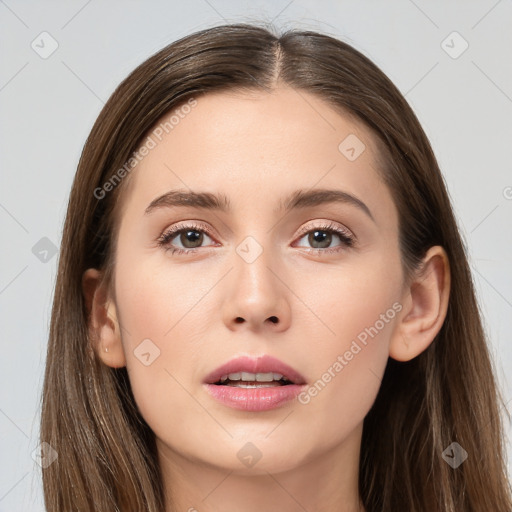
x=255, y=455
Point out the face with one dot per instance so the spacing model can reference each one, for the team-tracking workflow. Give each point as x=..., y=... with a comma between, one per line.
x=316, y=286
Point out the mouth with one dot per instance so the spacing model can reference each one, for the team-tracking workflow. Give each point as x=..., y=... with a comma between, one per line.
x=253, y=380
x=254, y=384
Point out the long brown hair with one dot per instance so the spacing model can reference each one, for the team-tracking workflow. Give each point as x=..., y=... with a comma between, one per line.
x=107, y=459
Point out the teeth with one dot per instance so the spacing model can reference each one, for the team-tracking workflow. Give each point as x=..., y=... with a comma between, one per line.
x=252, y=377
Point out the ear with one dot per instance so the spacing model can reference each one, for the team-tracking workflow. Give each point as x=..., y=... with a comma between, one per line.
x=425, y=304
x=104, y=330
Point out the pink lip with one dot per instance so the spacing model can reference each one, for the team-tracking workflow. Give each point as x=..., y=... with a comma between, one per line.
x=255, y=399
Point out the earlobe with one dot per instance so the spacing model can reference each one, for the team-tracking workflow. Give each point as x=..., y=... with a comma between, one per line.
x=426, y=304
x=104, y=330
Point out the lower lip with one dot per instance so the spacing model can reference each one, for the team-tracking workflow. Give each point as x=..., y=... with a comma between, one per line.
x=254, y=399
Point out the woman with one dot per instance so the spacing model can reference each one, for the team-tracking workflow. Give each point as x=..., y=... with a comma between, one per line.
x=263, y=299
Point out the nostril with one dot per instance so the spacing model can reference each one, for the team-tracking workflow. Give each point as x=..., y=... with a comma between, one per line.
x=274, y=319
x=239, y=320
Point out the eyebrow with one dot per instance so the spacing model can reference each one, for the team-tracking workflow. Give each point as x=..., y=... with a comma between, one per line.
x=220, y=202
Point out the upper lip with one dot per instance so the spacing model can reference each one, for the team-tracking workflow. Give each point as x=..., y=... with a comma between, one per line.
x=262, y=364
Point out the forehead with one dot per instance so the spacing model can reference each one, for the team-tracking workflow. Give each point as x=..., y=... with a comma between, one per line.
x=259, y=146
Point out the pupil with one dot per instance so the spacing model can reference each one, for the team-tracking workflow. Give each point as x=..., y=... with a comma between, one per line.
x=191, y=236
x=324, y=239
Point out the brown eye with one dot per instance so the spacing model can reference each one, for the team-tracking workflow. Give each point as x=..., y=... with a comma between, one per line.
x=321, y=238
x=189, y=237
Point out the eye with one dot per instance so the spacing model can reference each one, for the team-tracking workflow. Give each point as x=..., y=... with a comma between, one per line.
x=322, y=237
x=191, y=237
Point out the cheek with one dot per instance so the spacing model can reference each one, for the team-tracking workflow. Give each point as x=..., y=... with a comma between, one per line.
x=162, y=319
x=159, y=299
x=358, y=310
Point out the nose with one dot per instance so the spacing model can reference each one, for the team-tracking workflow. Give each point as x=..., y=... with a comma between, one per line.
x=257, y=297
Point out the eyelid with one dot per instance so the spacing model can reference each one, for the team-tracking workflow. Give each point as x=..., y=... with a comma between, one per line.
x=188, y=224
x=327, y=224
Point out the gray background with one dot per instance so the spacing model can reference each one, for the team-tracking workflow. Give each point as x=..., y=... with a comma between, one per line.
x=48, y=106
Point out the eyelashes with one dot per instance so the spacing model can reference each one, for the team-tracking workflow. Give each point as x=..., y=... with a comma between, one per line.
x=184, y=230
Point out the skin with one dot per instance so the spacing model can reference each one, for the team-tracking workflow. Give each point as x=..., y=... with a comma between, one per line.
x=257, y=148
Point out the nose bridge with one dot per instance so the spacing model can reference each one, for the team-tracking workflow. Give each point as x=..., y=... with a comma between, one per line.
x=252, y=273
x=256, y=294
x=254, y=250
